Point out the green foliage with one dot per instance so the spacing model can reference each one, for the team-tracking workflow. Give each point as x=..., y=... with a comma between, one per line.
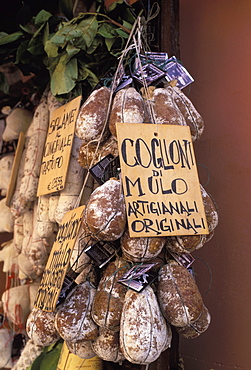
x=113, y=6
x=64, y=76
x=41, y=18
x=82, y=50
x=79, y=34
x=6, y=39
x=75, y=53
x=48, y=359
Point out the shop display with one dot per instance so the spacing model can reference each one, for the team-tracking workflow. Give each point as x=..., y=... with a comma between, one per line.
x=101, y=268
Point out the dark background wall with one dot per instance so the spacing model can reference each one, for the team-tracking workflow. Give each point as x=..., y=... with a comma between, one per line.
x=215, y=47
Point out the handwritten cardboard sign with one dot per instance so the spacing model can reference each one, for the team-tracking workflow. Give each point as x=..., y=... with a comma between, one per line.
x=160, y=180
x=57, y=149
x=58, y=261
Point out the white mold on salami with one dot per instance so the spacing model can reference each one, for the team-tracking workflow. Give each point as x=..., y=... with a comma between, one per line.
x=40, y=327
x=18, y=233
x=191, y=115
x=144, y=334
x=106, y=346
x=127, y=107
x=73, y=185
x=73, y=319
x=165, y=109
x=36, y=136
x=92, y=116
x=141, y=249
x=178, y=295
x=210, y=210
x=105, y=213
x=44, y=227
x=108, y=302
x=81, y=348
x=198, y=327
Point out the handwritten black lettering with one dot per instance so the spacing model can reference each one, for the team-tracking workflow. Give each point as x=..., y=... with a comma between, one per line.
x=51, y=164
x=140, y=208
x=139, y=187
x=160, y=226
x=159, y=153
x=143, y=153
x=61, y=123
x=56, y=184
x=58, y=145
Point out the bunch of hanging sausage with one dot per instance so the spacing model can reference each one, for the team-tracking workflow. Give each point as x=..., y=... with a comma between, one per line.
x=106, y=318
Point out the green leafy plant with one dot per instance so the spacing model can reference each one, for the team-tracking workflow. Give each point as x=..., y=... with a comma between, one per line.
x=48, y=359
x=72, y=55
x=82, y=49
